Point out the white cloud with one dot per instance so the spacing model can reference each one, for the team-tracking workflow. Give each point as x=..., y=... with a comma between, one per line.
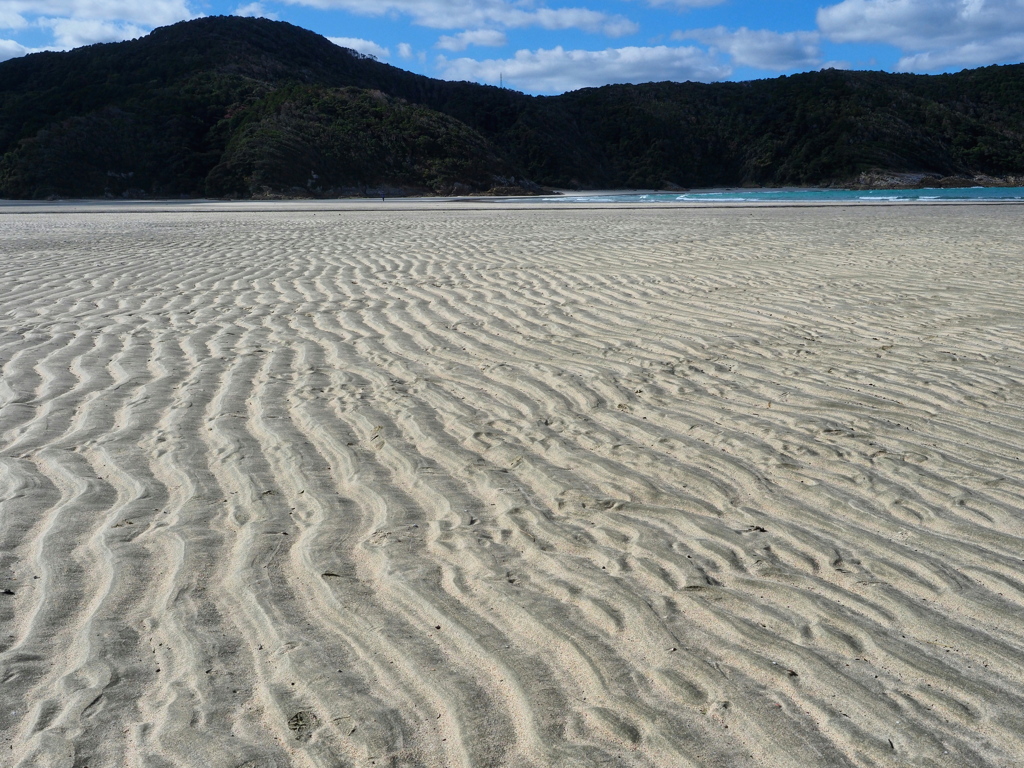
x=557, y=70
x=460, y=14
x=482, y=37
x=576, y=18
x=151, y=13
x=761, y=48
x=935, y=33
x=73, y=33
x=363, y=46
x=9, y=49
x=10, y=19
x=1007, y=48
x=405, y=50
x=82, y=22
x=255, y=10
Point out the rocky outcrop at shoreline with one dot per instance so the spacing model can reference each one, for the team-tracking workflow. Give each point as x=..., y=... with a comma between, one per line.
x=889, y=180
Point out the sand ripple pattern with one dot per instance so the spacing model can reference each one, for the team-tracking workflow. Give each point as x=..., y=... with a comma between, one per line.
x=461, y=487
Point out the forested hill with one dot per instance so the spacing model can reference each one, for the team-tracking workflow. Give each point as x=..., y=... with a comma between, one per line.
x=229, y=106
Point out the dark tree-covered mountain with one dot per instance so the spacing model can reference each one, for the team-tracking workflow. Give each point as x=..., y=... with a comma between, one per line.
x=231, y=106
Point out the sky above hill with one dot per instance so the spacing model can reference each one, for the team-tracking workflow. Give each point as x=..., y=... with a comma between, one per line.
x=550, y=46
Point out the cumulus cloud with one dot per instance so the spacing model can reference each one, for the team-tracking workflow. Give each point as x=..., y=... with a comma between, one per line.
x=405, y=50
x=482, y=37
x=9, y=49
x=255, y=10
x=460, y=14
x=363, y=46
x=73, y=33
x=11, y=19
x=760, y=48
x=74, y=23
x=934, y=33
x=556, y=70
x=152, y=13
x=575, y=18
x=1006, y=48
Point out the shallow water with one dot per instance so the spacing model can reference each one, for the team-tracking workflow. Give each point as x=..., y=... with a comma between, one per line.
x=974, y=194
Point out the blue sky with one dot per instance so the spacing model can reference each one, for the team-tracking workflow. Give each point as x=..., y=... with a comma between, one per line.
x=550, y=46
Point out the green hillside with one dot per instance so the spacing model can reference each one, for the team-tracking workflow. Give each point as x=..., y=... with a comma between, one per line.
x=231, y=106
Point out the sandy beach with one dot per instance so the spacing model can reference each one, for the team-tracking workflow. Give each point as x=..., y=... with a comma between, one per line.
x=475, y=485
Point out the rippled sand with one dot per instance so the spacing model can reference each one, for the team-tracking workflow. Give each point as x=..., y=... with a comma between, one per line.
x=469, y=485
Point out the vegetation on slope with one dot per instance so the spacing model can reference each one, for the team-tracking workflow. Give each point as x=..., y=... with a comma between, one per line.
x=234, y=106
x=313, y=140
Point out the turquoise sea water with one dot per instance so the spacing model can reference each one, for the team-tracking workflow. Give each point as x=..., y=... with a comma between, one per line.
x=978, y=194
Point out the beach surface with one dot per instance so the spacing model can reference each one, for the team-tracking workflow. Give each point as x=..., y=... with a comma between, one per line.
x=484, y=485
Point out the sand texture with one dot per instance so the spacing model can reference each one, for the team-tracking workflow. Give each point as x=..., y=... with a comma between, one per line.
x=475, y=486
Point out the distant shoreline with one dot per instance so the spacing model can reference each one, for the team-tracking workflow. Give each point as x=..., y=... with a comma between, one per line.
x=10, y=208
x=577, y=200
x=790, y=195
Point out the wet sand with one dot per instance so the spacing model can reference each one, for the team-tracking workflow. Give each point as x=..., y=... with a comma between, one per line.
x=476, y=484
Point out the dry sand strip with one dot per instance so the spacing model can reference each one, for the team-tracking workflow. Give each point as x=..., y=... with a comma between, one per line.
x=477, y=487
